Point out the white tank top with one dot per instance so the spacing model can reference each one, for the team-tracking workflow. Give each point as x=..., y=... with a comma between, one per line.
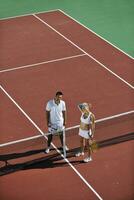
x=87, y=120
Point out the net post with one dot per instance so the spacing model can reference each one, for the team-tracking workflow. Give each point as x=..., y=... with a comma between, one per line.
x=64, y=144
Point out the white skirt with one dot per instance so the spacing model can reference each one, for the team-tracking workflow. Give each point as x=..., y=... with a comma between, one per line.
x=84, y=133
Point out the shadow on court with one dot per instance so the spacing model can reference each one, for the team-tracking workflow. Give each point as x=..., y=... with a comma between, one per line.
x=51, y=161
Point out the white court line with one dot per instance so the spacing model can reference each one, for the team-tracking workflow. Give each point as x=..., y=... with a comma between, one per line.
x=106, y=118
x=42, y=133
x=96, y=34
x=21, y=140
x=41, y=63
x=67, y=129
x=55, y=10
x=128, y=84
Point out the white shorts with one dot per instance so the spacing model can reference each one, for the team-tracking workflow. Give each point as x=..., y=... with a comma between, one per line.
x=85, y=134
x=54, y=129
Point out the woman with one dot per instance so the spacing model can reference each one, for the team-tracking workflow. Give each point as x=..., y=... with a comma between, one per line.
x=86, y=130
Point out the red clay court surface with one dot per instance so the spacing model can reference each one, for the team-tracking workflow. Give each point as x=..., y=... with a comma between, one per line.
x=43, y=53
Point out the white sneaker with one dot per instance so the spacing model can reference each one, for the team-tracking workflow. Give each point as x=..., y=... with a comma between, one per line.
x=87, y=159
x=47, y=150
x=79, y=154
x=66, y=148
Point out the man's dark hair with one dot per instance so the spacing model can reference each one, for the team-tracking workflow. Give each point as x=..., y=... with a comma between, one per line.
x=59, y=93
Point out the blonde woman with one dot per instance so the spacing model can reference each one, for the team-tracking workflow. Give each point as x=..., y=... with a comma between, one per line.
x=86, y=130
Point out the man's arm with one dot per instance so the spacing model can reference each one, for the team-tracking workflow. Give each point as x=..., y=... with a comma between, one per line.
x=64, y=117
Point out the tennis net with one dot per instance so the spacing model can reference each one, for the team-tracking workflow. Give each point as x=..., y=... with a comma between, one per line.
x=110, y=130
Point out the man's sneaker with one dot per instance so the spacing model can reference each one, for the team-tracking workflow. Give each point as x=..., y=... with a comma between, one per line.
x=47, y=150
x=87, y=159
x=79, y=154
x=66, y=148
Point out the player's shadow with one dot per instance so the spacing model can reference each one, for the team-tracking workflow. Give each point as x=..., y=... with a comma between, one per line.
x=46, y=161
x=51, y=161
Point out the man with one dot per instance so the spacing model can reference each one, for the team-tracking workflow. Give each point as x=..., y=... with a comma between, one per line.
x=56, y=118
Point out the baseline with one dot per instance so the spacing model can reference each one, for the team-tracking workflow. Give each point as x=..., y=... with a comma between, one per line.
x=97, y=34
x=55, y=10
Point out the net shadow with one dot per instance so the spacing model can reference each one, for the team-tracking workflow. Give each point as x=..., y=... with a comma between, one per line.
x=52, y=161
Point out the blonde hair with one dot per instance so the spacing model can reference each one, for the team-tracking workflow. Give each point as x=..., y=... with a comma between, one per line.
x=85, y=105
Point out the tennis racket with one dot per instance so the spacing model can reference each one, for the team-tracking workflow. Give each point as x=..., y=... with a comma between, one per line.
x=94, y=146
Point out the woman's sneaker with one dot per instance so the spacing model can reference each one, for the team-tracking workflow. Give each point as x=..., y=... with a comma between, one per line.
x=79, y=154
x=87, y=159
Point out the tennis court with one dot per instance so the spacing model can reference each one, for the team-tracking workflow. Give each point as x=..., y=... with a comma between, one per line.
x=45, y=52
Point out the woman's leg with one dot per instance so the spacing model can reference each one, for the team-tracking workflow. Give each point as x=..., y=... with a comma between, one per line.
x=88, y=158
x=88, y=143
x=82, y=144
x=82, y=147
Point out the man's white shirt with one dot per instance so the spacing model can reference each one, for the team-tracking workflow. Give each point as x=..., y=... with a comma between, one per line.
x=56, y=112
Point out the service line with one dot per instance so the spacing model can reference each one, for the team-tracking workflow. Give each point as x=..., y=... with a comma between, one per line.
x=41, y=63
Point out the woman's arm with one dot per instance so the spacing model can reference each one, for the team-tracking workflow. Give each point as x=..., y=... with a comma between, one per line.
x=92, y=124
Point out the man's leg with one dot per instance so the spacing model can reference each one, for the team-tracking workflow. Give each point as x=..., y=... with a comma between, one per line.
x=61, y=138
x=50, y=137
